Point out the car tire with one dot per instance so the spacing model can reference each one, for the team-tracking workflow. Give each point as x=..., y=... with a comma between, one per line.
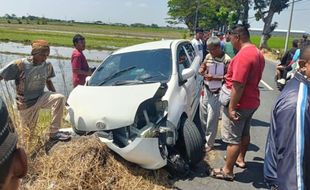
x=192, y=141
x=198, y=124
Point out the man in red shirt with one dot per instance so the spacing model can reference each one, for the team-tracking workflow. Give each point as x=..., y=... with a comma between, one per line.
x=242, y=79
x=80, y=68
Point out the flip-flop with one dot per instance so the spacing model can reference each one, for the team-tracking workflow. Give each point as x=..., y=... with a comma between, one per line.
x=221, y=175
x=238, y=165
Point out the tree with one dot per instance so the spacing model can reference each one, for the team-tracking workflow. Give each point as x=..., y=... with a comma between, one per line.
x=243, y=10
x=182, y=11
x=7, y=16
x=203, y=13
x=265, y=11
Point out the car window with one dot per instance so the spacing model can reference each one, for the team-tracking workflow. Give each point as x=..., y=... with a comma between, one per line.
x=182, y=58
x=149, y=65
x=190, y=50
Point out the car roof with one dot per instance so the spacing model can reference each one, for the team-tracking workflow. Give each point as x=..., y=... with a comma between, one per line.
x=162, y=44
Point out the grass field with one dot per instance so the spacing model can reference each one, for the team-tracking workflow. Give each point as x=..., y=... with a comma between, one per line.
x=97, y=36
x=275, y=42
x=101, y=36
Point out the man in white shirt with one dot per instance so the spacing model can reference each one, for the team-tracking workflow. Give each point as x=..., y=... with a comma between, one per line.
x=213, y=69
x=197, y=43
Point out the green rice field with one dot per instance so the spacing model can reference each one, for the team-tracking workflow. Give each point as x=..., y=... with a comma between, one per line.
x=106, y=37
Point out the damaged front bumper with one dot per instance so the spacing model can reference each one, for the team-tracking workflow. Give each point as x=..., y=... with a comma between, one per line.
x=142, y=151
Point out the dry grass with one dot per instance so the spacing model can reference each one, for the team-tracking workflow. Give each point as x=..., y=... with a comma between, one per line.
x=86, y=163
x=83, y=163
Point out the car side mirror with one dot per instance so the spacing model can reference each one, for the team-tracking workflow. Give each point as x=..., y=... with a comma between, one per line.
x=187, y=73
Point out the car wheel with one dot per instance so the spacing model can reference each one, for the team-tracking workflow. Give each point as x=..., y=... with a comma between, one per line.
x=197, y=122
x=192, y=142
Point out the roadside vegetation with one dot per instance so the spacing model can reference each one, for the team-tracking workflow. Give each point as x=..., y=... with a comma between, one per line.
x=99, y=35
x=82, y=163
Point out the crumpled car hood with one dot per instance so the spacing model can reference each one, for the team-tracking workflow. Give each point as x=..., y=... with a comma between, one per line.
x=93, y=108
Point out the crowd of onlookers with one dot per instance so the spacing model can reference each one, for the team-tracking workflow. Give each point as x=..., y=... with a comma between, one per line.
x=232, y=70
x=231, y=67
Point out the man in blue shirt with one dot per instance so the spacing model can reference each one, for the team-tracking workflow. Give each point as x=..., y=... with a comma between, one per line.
x=287, y=159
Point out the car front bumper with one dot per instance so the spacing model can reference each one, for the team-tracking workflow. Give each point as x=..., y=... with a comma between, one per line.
x=142, y=151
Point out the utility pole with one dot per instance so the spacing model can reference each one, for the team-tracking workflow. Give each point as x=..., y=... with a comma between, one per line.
x=289, y=27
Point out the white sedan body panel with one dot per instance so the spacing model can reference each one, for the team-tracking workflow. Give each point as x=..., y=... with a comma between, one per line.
x=142, y=151
x=115, y=106
x=104, y=108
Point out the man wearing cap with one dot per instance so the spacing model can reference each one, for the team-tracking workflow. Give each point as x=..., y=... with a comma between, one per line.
x=31, y=75
x=80, y=67
x=13, y=161
x=197, y=42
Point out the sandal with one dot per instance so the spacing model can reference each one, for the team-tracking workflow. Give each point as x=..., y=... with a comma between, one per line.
x=238, y=165
x=221, y=175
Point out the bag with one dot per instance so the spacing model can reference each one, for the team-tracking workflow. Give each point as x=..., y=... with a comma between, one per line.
x=224, y=96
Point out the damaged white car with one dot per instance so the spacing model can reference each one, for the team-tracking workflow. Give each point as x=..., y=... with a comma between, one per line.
x=141, y=102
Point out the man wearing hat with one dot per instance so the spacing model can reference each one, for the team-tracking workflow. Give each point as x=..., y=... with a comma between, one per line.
x=31, y=75
x=13, y=161
x=197, y=43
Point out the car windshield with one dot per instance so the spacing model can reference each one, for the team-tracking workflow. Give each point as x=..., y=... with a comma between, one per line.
x=134, y=68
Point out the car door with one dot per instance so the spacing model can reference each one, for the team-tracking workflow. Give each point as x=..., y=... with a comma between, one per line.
x=198, y=79
x=185, y=61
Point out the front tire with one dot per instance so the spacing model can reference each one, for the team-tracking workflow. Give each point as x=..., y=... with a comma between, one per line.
x=191, y=142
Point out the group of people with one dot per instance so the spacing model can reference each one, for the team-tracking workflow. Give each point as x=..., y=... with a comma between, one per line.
x=31, y=76
x=231, y=82
x=232, y=68
x=288, y=64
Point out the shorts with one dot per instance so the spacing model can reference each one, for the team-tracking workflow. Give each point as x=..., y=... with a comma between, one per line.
x=233, y=131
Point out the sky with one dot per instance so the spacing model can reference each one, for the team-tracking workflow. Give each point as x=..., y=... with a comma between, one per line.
x=130, y=11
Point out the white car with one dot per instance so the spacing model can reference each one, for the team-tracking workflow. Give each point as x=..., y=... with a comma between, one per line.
x=141, y=101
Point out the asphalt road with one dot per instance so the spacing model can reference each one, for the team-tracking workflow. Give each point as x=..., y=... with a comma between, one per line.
x=252, y=177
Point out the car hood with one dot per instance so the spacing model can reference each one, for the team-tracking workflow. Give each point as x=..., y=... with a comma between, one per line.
x=93, y=108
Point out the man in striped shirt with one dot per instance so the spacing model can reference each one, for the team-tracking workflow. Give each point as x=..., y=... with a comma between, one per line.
x=287, y=158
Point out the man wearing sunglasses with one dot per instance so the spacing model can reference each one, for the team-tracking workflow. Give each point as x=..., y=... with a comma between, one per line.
x=31, y=76
x=287, y=154
x=13, y=161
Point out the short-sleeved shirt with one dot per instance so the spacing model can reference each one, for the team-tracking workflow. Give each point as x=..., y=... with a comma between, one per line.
x=229, y=50
x=198, y=46
x=247, y=68
x=30, y=80
x=215, y=67
x=78, y=61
